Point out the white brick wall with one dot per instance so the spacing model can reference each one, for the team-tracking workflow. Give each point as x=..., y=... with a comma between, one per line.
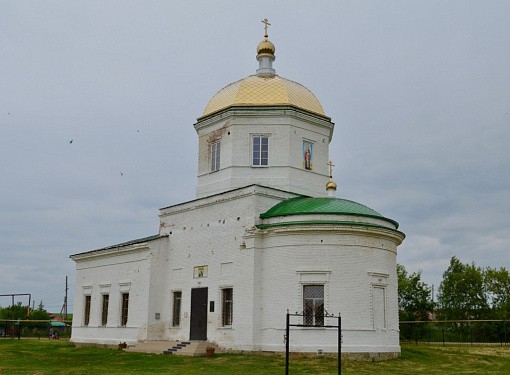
x=348, y=260
x=266, y=269
x=286, y=129
x=115, y=271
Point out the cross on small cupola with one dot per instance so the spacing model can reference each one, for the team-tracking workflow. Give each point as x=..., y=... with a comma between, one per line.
x=266, y=23
x=331, y=186
x=331, y=165
x=265, y=54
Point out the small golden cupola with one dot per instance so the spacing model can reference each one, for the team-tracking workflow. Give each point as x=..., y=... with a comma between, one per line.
x=266, y=54
x=331, y=185
x=265, y=88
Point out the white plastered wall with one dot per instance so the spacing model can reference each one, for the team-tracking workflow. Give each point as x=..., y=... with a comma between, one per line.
x=286, y=130
x=211, y=232
x=348, y=265
x=113, y=272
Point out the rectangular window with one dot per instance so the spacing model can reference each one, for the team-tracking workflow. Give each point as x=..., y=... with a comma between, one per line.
x=124, y=309
x=313, y=305
x=260, y=151
x=104, y=313
x=176, y=316
x=226, y=306
x=215, y=156
x=87, y=311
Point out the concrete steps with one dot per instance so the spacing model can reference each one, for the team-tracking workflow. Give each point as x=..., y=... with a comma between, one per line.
x=181, y=347
x=185, y=348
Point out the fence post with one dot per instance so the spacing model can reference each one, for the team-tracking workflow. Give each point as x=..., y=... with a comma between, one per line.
x=287, y=332
x=504, y=329
x=471, y=332
x=339, y=344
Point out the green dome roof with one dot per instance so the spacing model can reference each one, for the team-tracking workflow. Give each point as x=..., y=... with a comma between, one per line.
x=321, y=206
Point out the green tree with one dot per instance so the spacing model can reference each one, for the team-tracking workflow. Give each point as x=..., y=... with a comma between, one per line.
x=414, y=296
x=39, y=314
x=497, y=286
x=461, y=294
x=17, y=311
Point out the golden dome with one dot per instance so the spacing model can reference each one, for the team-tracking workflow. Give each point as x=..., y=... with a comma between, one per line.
x=266, y=48
x=264, y=91
x=331, y=185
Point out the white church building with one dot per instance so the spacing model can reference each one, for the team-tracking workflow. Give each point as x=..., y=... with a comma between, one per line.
x=265, y=235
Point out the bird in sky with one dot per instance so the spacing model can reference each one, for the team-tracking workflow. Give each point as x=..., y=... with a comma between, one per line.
x=121, y=174
x=71, y=141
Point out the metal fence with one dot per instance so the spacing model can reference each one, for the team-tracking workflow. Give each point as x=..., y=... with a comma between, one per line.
x=34, y=328
x=316, y=317
x=456, y=332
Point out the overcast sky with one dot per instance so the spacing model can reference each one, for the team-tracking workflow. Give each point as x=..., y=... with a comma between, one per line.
x=419, y=92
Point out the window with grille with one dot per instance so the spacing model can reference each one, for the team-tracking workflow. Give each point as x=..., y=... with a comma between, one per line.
x=124, y=309
x=176, y=312
x=313, y=305
x=87, y=311
x=260, y=151
x=104, y=310
x=227, y=306
x=215, y=156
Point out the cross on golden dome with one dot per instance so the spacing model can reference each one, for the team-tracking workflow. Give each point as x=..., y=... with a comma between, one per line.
x=331, y=186
x=265, y=53
x=331, y=165
x=266, y=23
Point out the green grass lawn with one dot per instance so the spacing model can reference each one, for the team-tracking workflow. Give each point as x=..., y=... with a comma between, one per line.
x=60, y=357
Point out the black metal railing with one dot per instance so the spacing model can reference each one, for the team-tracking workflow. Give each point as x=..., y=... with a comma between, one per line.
x=34, y=328
x=460, y=332
x=306, y=320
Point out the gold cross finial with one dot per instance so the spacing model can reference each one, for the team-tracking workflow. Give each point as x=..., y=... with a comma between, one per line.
x=331, y=165
x=266, y=23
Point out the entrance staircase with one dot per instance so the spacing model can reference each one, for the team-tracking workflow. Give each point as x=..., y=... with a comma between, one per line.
x=185, y=348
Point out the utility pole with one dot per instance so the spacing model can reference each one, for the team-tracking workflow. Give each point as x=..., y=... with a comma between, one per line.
x=63, y=310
